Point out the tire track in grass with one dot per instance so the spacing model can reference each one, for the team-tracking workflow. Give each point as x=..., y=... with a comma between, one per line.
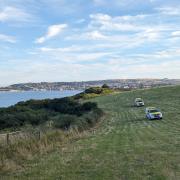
x=131, y=140
x=148, y=131
x=158, y=139
x=128, y=147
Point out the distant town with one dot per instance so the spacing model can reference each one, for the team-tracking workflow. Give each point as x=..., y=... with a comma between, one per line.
x=113, y=83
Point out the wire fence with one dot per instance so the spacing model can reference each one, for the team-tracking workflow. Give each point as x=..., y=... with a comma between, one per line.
x=14, y=137
x=38, y=134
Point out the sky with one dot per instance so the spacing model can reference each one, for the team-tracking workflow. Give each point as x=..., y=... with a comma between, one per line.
x=79, y=40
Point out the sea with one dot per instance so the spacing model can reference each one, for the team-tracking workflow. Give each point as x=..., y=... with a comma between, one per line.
x=9, y=98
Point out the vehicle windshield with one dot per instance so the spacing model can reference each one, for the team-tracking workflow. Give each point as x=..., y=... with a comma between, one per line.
x=138, y=100
x=153, y=111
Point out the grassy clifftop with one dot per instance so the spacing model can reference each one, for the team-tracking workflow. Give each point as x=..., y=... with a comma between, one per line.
x=124, y=146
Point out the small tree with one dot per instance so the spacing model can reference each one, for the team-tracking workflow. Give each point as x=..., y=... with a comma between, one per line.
x=105, y=86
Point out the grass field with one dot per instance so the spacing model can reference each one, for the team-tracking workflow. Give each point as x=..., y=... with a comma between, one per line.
x=124, y=145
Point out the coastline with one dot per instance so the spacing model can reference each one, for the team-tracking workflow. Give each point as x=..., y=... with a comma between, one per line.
x=39, y=90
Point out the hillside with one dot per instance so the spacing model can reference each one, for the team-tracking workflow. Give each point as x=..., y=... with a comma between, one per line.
x=124, y=145
x=116, y=83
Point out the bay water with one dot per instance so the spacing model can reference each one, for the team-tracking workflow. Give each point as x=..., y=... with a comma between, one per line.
x=10, y=98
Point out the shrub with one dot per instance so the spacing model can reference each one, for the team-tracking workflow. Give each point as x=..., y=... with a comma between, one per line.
x=63, y=121
x=36, y=112
x=105, y=86
x=95, y=90
x=88, y=106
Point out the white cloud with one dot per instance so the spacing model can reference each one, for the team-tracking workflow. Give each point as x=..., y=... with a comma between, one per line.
x=96, y=35
x=53, y=31
x=91, y=35
x=150, y=35
x=66, y=49
x=129, y=23
x=118, y=23
x=6, y=38
x=100, y=17
x=113, y=42
x=176, y=34
x=72, y=54
x=169, y=10
x=12, y=14
x=173, y=53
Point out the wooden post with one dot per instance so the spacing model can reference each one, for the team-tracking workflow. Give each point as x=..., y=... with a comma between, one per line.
x=39, y=135
x=7, y=138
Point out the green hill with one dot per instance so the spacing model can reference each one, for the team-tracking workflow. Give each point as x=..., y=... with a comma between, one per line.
x=123, y=146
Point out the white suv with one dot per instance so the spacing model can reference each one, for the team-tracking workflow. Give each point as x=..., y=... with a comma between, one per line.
x=138, y=102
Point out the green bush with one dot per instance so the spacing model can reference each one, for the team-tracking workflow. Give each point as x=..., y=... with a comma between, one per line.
x=95, y=90
x=105, y=86
x=36, y=112
x=63, y=121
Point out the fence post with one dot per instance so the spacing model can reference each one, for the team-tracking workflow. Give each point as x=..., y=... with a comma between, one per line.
x=7, y=138
x=39, y=135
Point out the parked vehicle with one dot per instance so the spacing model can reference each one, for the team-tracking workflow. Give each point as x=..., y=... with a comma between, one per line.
x=153, y=113
x=138, y=102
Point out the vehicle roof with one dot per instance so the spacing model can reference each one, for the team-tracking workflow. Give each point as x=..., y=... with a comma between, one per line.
x=138, y=99
x=151, y=108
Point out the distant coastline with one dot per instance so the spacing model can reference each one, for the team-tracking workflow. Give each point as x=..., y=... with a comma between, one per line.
x=81, y=85
x=40, y=90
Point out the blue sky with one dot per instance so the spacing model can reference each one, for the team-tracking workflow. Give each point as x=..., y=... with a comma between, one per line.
x=74, y=40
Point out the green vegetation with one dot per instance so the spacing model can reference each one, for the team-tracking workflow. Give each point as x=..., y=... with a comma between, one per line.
x=65, y=112
x=93, y=92
x=124, y=146
x=105, y=86
x=48, y=117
